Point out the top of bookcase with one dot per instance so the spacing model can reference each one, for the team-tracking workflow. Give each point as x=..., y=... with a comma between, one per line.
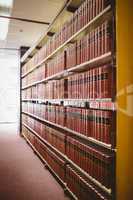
x=64, y=14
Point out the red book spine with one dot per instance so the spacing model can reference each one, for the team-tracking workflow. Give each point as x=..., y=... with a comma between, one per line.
x=81, y=51
x=94, y=126
x=77, y=86
x=93, y=43
x=87, y=122
x=108, y=36
x=80, y=86
x=85, y=86
x=85, y=48
x=73, y=87
x=93, y=83
x=107, y=126
x=104, y=38
x=94, y=9
x=88, y=84
x=98, y=125
x=84, y=13
x=91, y=10
x=90, y=123
x=69, y=87
x=107, y=81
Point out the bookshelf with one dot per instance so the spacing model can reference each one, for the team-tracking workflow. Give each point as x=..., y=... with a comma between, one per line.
x=68, y=105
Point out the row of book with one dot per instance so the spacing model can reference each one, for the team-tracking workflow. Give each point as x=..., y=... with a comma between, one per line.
x=93, y=84
x=94, y=44
x=97, y=83
x=56, y=163
x=96, y=163
x=80, y=187
x=54, y=137
x=74, y=180
x=57, y=64
x=96, y=124
x=85, y=13
x=36, y=75
x=52, y=90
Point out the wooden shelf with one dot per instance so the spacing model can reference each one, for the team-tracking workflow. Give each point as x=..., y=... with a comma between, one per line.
x=102, y=104
x=78, y=68
x=97, y=183
x=73, y=133
x=65, y=14
x=100, y=17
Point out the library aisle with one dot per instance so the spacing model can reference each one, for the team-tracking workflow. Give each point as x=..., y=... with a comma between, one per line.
x=22, y=174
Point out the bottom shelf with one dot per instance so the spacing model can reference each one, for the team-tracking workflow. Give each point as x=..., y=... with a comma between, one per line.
x=66, y=189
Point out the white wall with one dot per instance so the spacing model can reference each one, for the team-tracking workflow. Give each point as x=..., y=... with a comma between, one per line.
x=9, y=86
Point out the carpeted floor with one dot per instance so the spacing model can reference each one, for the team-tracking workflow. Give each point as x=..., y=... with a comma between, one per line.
x=22, y=175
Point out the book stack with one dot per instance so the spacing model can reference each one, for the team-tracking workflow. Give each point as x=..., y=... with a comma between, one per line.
x=55, y=114
x=71, y=55
x=97, y=124
x=57, y=64
x=91, y=123
x=81, y=188
x=56, y=163
x=96, y=163
x=92, y=45
x=93, y=84
x=55, y=138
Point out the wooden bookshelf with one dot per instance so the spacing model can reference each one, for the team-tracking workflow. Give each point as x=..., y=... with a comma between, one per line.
x=97, y=19
x=78, y=68
x=71, y=132
x=98, y=104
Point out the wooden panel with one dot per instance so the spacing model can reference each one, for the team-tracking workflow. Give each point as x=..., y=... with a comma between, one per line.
x=124, y=100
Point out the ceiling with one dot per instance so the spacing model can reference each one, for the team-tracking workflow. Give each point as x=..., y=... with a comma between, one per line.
x=26, y=33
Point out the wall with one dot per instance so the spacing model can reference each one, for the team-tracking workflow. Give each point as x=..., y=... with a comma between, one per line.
x=9, y=86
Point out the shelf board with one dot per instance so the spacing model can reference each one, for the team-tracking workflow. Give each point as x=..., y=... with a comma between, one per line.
x=74, y=133
x=99, y=17
x=102, y=104
x=71, y=162
x=78, y=68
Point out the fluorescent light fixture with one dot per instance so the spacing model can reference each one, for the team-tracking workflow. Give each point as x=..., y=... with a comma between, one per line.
x=6, y=3
x=5, y=22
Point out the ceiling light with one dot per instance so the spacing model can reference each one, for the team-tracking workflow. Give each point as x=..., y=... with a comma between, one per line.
x=5, y=22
